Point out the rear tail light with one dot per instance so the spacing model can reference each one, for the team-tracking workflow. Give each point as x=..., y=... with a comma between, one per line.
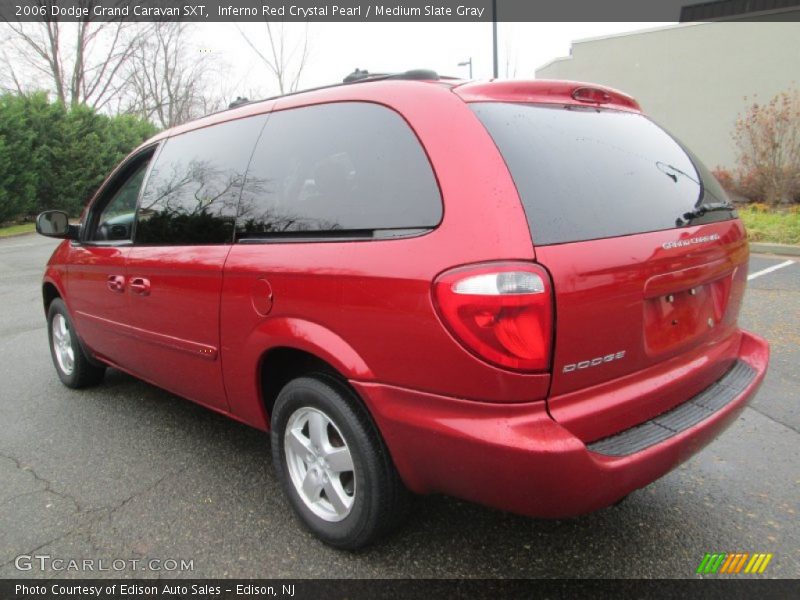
x=502, y=312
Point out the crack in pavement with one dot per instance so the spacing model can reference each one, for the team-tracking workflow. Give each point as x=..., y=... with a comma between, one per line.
x=48, y=486
x=771, y=418
x=87, y=526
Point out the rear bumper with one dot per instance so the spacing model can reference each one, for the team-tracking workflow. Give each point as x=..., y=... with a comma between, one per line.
x=517, y=458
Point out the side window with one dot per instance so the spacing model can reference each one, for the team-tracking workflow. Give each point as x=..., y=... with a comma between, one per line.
x=193, y=188
x=114, y=223
x=347, y=166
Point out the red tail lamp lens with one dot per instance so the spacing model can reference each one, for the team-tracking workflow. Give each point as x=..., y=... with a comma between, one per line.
x=502, y=312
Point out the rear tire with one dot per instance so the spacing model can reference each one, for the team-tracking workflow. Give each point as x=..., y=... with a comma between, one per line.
x=74, y=368
x=333, y=465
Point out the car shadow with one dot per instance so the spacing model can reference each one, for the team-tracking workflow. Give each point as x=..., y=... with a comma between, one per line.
x=443, y=537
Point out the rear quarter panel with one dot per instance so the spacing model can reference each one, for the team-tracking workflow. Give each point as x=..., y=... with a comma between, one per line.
x=375, y=295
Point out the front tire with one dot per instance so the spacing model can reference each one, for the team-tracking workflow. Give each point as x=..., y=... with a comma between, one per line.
x=72, y=365
x=333, y=464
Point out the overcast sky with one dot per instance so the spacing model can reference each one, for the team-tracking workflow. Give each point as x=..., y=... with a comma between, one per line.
x=338, y=48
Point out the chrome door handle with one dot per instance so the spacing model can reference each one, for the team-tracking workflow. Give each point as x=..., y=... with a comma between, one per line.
x=139, y=285
x=116, y=283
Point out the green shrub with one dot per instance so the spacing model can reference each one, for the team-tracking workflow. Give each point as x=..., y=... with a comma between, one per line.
x=53, y=157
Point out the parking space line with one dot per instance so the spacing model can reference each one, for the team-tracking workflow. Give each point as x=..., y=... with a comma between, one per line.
x=769, y=269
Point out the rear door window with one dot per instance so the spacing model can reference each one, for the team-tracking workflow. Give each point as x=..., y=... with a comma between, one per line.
x=193, y=189
x=586, y=173
x=336, y=169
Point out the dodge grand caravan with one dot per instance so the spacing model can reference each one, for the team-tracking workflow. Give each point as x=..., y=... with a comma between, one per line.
x=522, y=294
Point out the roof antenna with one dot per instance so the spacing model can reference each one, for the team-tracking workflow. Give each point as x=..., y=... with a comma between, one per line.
x=356, y=75
x=238, y=102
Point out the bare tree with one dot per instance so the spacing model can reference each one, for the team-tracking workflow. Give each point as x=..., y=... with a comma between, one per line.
x=80, y=62
x=768, y=139
x=170, y=78
x=284, y=59
x=510, y=56
x=511, y=67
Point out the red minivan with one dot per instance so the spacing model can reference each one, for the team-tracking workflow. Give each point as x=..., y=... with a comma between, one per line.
x=520, y=293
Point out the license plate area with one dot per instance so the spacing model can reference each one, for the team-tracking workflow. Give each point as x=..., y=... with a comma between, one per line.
x=681, y=311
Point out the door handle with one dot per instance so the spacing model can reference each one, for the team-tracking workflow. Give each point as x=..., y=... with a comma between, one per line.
x=116, y=283
x=139, y=285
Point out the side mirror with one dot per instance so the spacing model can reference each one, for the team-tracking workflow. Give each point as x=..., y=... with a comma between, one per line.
x=55, y=223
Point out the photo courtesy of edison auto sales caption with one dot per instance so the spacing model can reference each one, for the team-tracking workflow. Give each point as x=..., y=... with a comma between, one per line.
x=164, y=589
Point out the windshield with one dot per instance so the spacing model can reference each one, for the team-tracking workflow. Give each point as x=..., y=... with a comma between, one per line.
x=586, y=173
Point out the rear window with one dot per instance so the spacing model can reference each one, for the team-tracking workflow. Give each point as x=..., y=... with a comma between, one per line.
x=586, y=173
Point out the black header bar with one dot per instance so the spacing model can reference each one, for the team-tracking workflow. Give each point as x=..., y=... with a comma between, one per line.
x=203, y=11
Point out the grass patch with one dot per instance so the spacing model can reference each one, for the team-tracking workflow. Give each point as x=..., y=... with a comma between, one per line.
x=17, y=229
x=771, y=226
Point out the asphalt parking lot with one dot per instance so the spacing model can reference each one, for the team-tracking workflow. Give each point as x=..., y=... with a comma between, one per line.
x=127, y=471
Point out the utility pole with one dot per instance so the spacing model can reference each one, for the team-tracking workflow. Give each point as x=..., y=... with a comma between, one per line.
x=467, y=63
x=494, y=38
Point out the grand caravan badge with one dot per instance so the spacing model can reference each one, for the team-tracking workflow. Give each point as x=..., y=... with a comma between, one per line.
x=701, y=239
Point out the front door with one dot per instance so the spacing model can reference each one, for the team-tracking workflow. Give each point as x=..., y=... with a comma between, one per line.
x=97, y=275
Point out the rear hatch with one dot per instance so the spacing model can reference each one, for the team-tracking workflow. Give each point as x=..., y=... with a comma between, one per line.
x=647, y=259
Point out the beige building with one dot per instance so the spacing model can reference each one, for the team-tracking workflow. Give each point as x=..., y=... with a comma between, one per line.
x=692, y=78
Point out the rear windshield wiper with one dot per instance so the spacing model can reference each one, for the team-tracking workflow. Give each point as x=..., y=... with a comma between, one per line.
x=670, y=171
x=706, y=207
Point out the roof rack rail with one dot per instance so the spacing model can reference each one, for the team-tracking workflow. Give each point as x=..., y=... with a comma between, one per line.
x=359, y=75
